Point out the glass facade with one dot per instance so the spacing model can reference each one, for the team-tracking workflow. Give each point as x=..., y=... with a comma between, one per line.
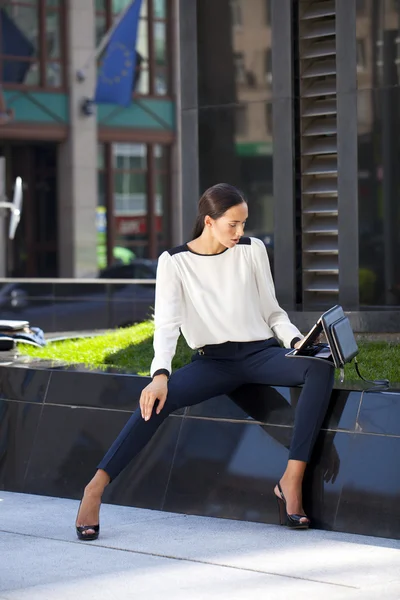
x=152, y=71
x=32, y=43
x=235, y=104
x=132, y=214
x=378, y=73
x=33, y=252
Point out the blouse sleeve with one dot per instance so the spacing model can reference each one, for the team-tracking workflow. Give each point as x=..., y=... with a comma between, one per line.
x=167, y=314
x=275, y=317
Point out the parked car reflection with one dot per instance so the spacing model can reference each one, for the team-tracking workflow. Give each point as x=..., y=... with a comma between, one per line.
x=68, y=305
x=141, y=268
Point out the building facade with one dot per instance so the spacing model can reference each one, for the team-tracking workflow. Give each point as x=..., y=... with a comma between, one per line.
x=96, y=186
x=295, y=102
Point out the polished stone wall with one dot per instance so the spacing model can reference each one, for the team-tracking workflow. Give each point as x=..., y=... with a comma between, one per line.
x=221, y=458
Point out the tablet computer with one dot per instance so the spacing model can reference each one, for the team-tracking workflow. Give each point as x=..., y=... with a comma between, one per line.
x=311, y=336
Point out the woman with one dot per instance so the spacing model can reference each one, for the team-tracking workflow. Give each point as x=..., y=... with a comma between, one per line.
x=218, y=291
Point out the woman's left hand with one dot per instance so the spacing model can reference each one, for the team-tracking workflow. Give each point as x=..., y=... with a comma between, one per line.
x=317, y=341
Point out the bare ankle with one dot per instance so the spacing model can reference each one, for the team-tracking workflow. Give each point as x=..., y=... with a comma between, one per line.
x=98, y=484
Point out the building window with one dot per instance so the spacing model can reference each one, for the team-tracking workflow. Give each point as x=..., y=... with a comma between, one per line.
x=241, y=120
x=32, y=43
x=240, y=68
x=361, y=55
x=153, y=42
x=268, y=8
x=268, y=118
x=133, y=204
x=268, y=66
x=236, y=11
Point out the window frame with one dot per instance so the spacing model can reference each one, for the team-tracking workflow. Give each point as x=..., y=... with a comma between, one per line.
x=42, y=60
x=239, y=60
x=153, y=68
x=152, y=171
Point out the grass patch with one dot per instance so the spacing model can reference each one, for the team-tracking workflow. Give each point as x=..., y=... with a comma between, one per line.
x=131, y=349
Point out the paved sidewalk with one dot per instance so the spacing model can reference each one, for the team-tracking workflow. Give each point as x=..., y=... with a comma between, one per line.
x=146, y=555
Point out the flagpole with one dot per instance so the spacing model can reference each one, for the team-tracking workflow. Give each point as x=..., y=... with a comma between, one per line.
x=81, y=73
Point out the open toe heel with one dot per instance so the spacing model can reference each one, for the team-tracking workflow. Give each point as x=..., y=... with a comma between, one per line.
x=81, y=530
x=292, y=521
x=88, y=537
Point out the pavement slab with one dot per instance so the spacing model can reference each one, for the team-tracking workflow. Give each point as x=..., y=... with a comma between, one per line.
x=150, y=554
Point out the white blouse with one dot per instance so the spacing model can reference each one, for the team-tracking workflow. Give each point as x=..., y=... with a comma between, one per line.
x=217, y=298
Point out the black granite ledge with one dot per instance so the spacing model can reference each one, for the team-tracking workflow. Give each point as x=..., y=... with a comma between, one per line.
x=19, y=361
x=56, y=424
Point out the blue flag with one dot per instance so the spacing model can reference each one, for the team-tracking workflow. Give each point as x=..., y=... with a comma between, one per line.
x=116, y=76
x=14, y=43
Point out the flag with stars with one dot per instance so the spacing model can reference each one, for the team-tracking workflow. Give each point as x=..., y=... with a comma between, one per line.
x=117, y=69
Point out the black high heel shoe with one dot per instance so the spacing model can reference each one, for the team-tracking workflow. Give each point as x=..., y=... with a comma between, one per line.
x=80, y=530
x=291, y=521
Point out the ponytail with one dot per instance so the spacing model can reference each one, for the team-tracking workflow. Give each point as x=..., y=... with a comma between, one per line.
x=198, y=227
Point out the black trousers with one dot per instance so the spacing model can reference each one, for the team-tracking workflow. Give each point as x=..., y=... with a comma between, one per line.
x=220, y=370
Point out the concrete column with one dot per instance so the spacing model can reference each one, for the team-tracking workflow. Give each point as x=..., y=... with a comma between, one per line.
x=176, y=162
x=189, y=114
x=77, y=159
x=283, y=158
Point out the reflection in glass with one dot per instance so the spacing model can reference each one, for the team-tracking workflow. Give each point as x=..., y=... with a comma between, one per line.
x=160, y=156
x=127, y=186
x=19, y=71
x=161, y=84
x=160, y=9
x=100, y=28
x=101, y=188
x=120, y=5
x=22, y=29
x=26, y=19
x=143, y=39
x=101, y=213
x=53, y=74
x=53, y=34
x=235, y=89
x=162, y=209
x=130, y=198
x=160, y=40
x=129, y=156
x=378, y=26
x=100, y=156
x=142, y=85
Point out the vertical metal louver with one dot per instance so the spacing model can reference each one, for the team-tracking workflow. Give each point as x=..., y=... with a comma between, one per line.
x=318, y=143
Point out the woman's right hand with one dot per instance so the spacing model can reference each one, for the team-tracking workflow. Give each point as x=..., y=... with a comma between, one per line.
x=156, y=390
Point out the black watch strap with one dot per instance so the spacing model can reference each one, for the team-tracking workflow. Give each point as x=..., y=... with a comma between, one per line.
x=161, y=372
x=294, y=341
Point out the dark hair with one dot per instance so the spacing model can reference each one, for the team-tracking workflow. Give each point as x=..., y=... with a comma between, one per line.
x=215, y=202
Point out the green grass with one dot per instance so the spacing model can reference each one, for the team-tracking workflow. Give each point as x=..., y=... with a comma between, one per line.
x=131, y=349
